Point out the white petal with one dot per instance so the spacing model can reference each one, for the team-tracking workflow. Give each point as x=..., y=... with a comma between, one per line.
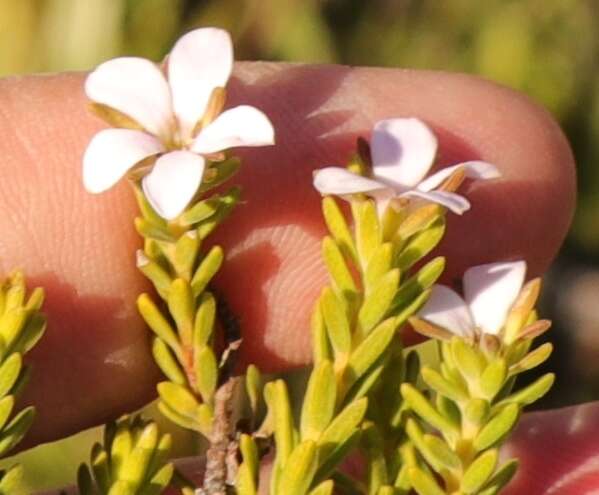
x=447, y=309
x=474, y=170
x=173, y=181
x=135, y=87
x=200, y=61
x=111, y=153
x=339, y=181
x=452, y=201
x=490, y=290
x=403, y=151
x=239, y=126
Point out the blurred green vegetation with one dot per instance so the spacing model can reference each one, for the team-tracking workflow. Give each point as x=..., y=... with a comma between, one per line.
x=546, y=48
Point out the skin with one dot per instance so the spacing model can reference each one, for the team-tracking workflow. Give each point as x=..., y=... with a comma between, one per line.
x=94, y=361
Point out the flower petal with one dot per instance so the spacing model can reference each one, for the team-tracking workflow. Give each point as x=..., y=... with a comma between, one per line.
x=490, y=291
x=473, y=170
x=447, y=309
x=173, y=181
x=239, y=126
x=200, y=61
x=339, y=181
x=111, y=153
x=452, y=201
x=403, y=151
x=135, y=87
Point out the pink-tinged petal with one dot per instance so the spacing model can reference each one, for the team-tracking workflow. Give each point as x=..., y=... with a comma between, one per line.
x=111, y=153
x=403, y=151
x=490, y=291
x=135, y=87
x=200, y=61
x=447, y=309
x=239, y=126
x=339, y=181
x=173, y=182
x=452, y=201
x=474, y=170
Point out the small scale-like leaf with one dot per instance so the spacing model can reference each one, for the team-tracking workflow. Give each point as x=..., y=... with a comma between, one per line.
x=167, y=362
x=299, y=470
x=207, y=269
x=200, y=211
x=324, y=488
x=342, y=427
x=421, y=244
x=160, y=480
x=521, y=309
x=467, y=359
x=203, y=327
x=416, y=284
x=338, y=227
x=450, y=389
x=36, y=299
x=134, y=466
x=497, y=428
x=16, y=429
x=319, y=401
x=186, y=253
x=533, y=359
x=6, y=405
x=253, y=386
x=321, y=347
x=429, y=330
x=155, y=273
x=501, y=478
x=380, y=264
x=423, y=482
x=336, y=322
x=533, y=392
x=476, y=411
x=150, y=230
x=479, y=472
x=85, y=484
x=206, y=372
x=245, y=483
x=278, y=401
x=493, y=378
x=226, y=204
x=157, y=322
x=12, y=323
x=337, y=267
x=179, y=399
x=378, y=302
x=220, y=173
x=9, y=372
x=249, y=454
x=371, y=348
x=181, y=307
x=426, y=410
x=419, y=219
x=367, y=229
x=444, y=456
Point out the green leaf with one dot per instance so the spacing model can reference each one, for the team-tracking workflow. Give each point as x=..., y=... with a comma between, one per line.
x=380, y=264
x=12, y=481
x=497, y=429
x=12, y=323
x=9, y=372
x=493, y=378
x=219, y=173
x=29, y=335
x=249, y=454
x=299, y=470
x=226, y=204
x=6, y=405
x=324, y=488
x=181, y=307
x=155, y=273
x=203, y=327
x=208, y=267
x=336, y=322
x=417, y=437
x=182, y=402
x=321, y=348
x=533, y=359
x=337, y=267
x=253, y=386
x=377, y=303
x=426, y=411
x=100, y=466
x=166, y=361
x=476, y=411
x=319, y=401
x=467, y=359
x=150, y=230
x=421, y=244
x=443, y=455
x=367, y=228
x=479, y=472
x=338, y=227
x=160, y=480
x=532, y=393
x=200, y=211
x=16, y=429
x=134, y=466
x=278, y=401
x=186, y=253
x=501, y=478
x=452, y=390
x=85, y=484
x=206, y=372
x=423, y=482
x=419, y=220
x=245, y=483
x=157, y=322
x=416, y=284
x=371, y=348
x=335, y=456
x=344, y=425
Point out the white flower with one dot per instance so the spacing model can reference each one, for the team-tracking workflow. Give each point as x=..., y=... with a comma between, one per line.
x=168, y=112
x=489, y=292
x=403, y=151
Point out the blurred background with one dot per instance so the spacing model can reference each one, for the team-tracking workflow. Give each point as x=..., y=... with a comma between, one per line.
x=547, y=49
